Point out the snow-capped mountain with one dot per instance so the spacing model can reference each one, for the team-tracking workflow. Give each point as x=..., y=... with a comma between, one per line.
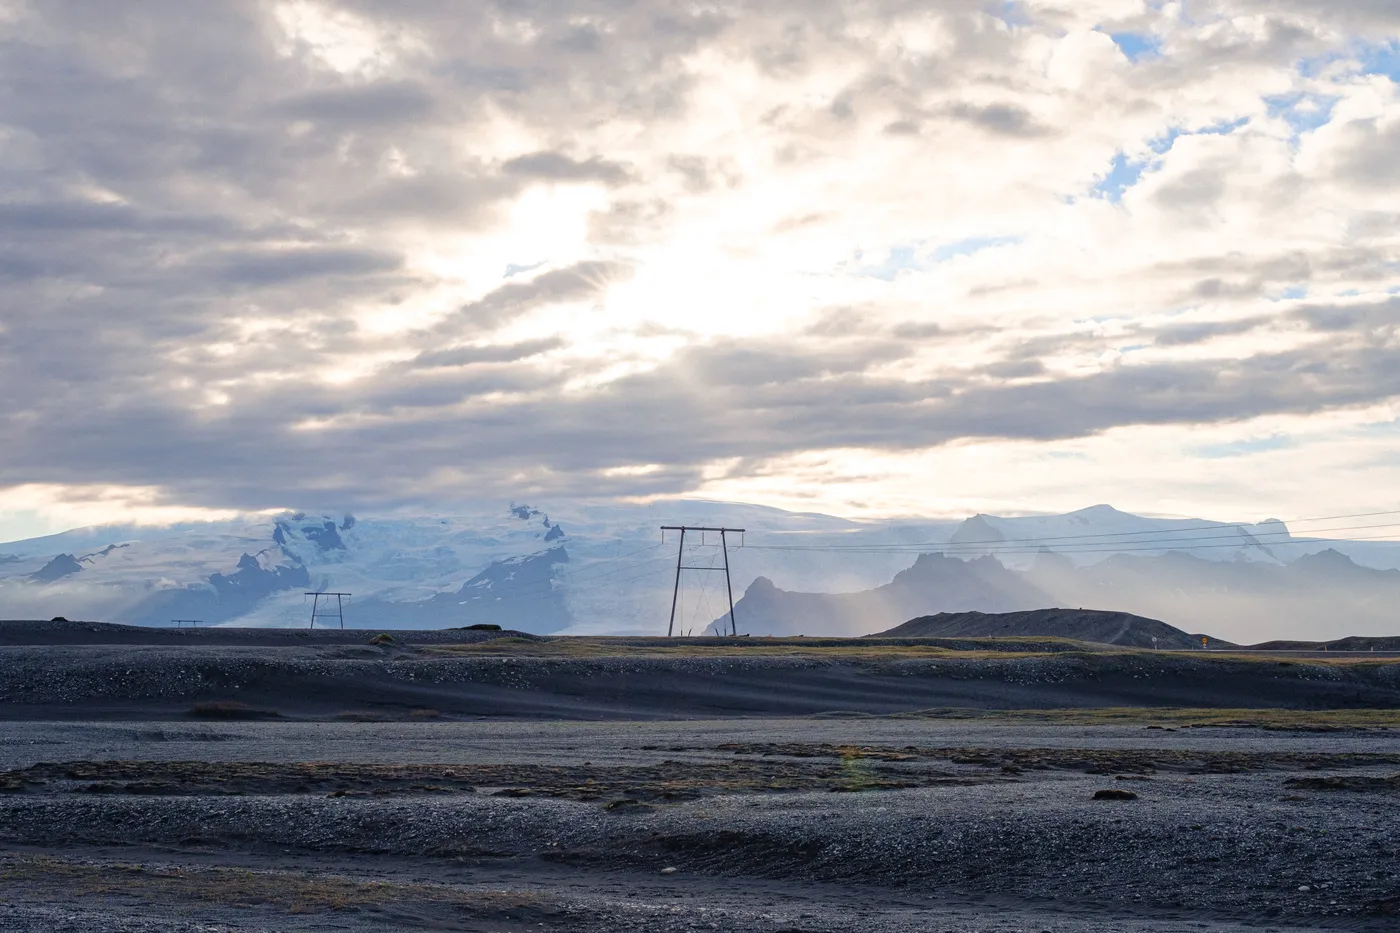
x=575, y=567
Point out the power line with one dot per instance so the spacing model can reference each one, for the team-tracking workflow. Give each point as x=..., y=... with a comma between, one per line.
x=548, y=586
x=1238, y=539
x=704, y=591
x=583, y=574
x=611, y=574
x=582, y=589
x=1115, y=534
x=1233, y=539
x=1078, y=540
x=1089, y=549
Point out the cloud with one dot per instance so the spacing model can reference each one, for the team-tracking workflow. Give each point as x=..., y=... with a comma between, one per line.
x=278, y=266
x=1187, y=334
x=1001, y=118
x=513, y=299
x=554, y=166
x=374, y=105
x=472, y=355
x=515, y=247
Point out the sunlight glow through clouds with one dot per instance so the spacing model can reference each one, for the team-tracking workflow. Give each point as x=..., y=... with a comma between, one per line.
x=345, y=42
x=55, y=508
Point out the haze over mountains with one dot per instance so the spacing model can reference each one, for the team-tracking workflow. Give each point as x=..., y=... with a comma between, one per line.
x=1317, y=596
x=589, y=568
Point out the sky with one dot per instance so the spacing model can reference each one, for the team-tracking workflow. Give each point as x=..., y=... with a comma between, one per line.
x=897, y=257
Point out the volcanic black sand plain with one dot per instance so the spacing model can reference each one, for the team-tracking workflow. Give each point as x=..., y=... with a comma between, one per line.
x=220, y=780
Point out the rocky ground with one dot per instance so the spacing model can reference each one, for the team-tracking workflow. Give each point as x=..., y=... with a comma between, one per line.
x=743, y=824
x=648, y=679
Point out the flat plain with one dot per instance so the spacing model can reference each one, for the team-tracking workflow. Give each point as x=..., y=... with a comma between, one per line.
x=589, y=786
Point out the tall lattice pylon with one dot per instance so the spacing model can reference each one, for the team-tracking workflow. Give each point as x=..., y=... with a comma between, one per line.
x=680, y=555
x=317, y=611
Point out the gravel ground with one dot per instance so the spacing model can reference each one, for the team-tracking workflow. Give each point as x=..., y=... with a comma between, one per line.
x=680, y=905
x=164, y=681
x=26, y=743
x=998, y=847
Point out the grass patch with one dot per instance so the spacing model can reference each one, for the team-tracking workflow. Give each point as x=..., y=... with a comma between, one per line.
x=361, y=716
x=859, y=649
x=1182, y=718
x=844, y=649
x=296, y=893
x=1320, y=657
x=230, y=709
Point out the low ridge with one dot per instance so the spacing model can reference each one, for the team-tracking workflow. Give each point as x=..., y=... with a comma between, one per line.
x=1110, y=628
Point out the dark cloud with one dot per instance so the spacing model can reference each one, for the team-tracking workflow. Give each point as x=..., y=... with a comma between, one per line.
x=374, y=104
x=1015, y=369
x=279, y=266
x=844, y=322
x=1367, y=14
x=701, y=174
x=1364, y=320
x=26, y=219
x=919, y=330
x=1194, y=191
x=554, y=166
x=498, y=353
x=1371, y=159
x=721, y=400
x=513, y=299
x=464, y=196
x=1181, y=335
x=1004, y=119
x=1221, y=288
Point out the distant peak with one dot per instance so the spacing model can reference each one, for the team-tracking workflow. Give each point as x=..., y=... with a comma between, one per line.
x=977, y=530
x=524, y=512
x=1101, y=509
x=88, y=558
x=61, y=566
x=1328, y=558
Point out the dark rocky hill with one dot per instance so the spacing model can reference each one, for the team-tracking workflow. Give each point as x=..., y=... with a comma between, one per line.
x=1110, y=628
x=1386, y=643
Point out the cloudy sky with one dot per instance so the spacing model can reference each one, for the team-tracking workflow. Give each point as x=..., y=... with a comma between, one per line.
x=890, y=257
